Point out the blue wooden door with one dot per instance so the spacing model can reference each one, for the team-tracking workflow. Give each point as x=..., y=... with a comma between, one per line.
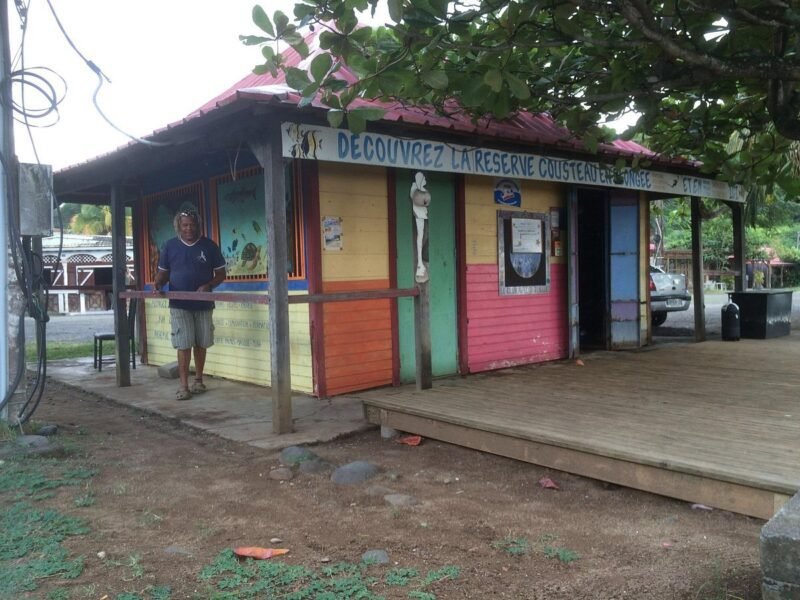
x=624, y=270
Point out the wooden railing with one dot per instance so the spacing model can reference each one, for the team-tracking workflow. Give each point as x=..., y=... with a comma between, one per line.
x=424, y=376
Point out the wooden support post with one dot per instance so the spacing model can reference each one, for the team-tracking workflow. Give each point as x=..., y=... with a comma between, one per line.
x=697, y=272
x=737, y=214
x=119, y=271
x=422, y=337
x=267, y=149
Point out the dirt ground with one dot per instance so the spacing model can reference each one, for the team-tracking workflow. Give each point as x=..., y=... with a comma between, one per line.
x=167, y=500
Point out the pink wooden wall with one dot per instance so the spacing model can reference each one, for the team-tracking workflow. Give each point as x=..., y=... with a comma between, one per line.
x=504, y=331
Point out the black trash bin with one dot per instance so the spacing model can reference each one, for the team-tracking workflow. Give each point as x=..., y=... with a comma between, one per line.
x=731, y=322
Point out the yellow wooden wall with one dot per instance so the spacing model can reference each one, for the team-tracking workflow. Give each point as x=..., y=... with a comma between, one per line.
x=241, y=349
x=358, y=195
x=481, y=214
x=357, y=335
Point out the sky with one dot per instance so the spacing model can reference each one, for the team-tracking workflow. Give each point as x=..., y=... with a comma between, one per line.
x=165, y=58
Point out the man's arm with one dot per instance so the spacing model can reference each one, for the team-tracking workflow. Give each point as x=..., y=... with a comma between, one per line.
x=219, y=277
x=162, y=277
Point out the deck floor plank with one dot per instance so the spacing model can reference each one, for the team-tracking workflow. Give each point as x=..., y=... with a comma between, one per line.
x=722, y=410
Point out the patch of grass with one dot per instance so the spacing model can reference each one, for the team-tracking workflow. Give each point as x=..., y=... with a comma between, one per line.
x=564, y=555
x=84, y=500
x=30, y=538
x=148, y=519
x=715, y=588
x=29, y=478
x=59, y=350
x=133, y=563
x=449, y=572
x=7, y=433
x=30, y=548
x=228, y=578
x=515, y=546
x=401, y=577
x=206, y=530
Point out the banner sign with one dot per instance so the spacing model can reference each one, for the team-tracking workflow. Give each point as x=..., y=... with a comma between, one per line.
x=341, y=145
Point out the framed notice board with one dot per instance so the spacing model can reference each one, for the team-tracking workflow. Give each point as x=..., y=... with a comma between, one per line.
x=523, y=252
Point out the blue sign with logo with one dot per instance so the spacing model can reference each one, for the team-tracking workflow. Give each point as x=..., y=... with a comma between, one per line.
x=506, y=192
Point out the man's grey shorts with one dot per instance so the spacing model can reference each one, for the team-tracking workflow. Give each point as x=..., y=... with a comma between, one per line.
x=191, y=328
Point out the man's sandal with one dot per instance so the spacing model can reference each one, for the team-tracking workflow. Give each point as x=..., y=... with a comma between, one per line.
x=182, y=394
x=198, y=387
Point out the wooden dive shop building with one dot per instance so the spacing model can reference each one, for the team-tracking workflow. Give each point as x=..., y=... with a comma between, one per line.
x=425, y=247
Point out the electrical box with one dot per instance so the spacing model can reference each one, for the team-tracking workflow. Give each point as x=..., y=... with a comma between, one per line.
x=35, y=200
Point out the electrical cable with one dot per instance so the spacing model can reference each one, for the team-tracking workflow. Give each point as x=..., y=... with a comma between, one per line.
x=101, y=78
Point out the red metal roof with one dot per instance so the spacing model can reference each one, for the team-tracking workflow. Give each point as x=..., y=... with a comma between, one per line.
x=522, y=127
x=525, y=127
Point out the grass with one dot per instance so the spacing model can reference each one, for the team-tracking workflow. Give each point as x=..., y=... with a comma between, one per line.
x=32, y=551
x=563, y=555
x=31, y=536
x=515, y=546
x=715, y=588
x=59, y=350
x=227, y=578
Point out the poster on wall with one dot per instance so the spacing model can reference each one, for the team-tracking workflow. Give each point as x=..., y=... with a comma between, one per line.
x=161, y=210
x=526, y=235
x=332, y=234
x=523, y=252
x=242, y=227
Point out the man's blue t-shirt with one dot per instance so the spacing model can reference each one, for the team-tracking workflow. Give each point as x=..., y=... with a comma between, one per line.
x=190, y=266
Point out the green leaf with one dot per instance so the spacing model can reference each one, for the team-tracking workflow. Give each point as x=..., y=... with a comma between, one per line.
x=253, y=40
x=302, y=49
x=307, y=98
x=494, y=79
x=281, y=22
x=335, y=117
x=361, y=35
x=519, y=89
x=436, y=79
x=356, y=122
x=296, y=78
x=268, y=52
x=320, y=66
x=396, y=10
x=368, y=114
x=262, y=21
x=332, y=100
x=474, y=93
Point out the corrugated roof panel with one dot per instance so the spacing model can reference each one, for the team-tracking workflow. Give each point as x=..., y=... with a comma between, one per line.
x=522, y=127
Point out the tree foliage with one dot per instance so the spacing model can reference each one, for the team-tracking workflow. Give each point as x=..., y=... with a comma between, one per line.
x=695, y=73
x=88, y=219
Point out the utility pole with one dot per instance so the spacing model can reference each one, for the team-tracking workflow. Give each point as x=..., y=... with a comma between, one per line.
x=6, y=143
x=11, y=300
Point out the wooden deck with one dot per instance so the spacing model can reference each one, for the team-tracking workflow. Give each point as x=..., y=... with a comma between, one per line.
x=716, y=423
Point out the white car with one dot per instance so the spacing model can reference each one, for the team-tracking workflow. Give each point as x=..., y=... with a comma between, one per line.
x=668, y=293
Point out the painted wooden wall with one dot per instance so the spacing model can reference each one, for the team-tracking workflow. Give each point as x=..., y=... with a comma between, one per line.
x=241, y=350
x=357, y=335
x=645, y=329
x=504, y=331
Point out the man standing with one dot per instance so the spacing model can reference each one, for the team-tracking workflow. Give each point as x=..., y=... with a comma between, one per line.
x=190, y=262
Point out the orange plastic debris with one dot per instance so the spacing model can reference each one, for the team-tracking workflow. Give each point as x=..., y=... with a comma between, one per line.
x=410, y=440
x=258, y=553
